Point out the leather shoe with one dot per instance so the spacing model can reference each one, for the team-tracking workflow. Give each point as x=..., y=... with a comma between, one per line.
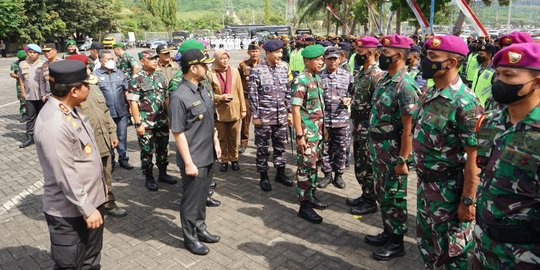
x=196, y=247
x=354, y=201
x=377, y=240
x=213, y=185
x=306, y=212
x=338, y=181
x=317, y=204
x=224, y=166
x=265, y=182
x=282, y=178
x=235, y=166
x=366, y=207
x=206, y=237
x=27, y=143
x=126, y=165
x=326, y=180
x=241, y=149
x=393, y=248
x=211, y=202
x=116, y=212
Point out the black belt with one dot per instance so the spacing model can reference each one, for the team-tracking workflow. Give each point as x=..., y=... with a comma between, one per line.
x=385, y=136
x=511, y=233
x=429, y=176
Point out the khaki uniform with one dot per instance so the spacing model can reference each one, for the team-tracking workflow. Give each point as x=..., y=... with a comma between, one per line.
x=169, y=70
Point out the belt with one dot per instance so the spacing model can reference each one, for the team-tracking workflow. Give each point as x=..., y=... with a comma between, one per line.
x=391, y=136
x=511, y=233
x=430, y=176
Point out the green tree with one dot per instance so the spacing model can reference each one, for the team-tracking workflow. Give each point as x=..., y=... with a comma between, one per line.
x=43, y=23
x=165, y=10
x=266, y=11
x=11, y=16
x=85, y=17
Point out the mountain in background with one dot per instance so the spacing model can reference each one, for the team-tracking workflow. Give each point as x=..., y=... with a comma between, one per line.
x=219, y=5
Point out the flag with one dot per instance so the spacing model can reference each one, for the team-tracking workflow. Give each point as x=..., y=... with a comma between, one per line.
x=469, y=14
x=418, y=13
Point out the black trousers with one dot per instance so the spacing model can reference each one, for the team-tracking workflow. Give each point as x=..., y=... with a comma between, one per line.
x=193, y=205
x=32, y=110
x=73, y=246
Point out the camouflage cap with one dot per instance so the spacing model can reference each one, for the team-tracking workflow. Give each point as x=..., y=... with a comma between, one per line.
x=460, y=239
x=149, y=54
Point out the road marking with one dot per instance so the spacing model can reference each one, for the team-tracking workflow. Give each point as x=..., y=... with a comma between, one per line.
x=7, y=104
x=17, y=199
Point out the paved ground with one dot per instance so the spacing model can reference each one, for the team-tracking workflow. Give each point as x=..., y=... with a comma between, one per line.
x=259, y=230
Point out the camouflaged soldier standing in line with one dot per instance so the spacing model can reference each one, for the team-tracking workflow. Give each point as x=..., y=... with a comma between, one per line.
x=21, y=55
x=507, y=230
x=147, y=96
x=444, y=143
x=308, y=118
x=390, y=127
x=364, y=84
x=269, y=101
x=337, y=88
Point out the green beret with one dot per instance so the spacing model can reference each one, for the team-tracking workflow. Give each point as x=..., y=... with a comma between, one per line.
x=21, y=54
x=190, y=44
x=119, y=45
x=71, y=42
x=313, y=51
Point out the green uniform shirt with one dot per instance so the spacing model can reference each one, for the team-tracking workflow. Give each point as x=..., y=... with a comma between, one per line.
x=307, y=92
x=150, y=92
x=125, y=63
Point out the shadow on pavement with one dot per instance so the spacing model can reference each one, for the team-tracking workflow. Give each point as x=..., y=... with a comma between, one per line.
x=24, y=257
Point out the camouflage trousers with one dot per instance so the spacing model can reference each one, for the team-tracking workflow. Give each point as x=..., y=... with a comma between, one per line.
x=278, y=135
x=437, y=214
x=154, y=139
x=306, y=172
x=22, y=101
x=334, y=155
x=363, y=169
x=493, y=255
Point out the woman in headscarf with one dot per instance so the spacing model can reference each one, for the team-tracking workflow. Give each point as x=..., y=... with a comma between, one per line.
x=231, y=108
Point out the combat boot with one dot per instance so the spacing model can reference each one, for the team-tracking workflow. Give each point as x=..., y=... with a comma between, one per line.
x=29, y=141
x=392, y=248
x=354, y=201
x=367, y=206
x=265, y=182
x=164, y=177
x=338, y=181
x=306, y=212
x=326, y=180
x=318, y=204
x=150, y=181
x=282, y=178
x=379, y=239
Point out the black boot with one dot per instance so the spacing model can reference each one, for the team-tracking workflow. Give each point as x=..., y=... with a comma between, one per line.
x=354, y=201
x=306, y=212
x=150, y=181
x=379, y=239
x=211, y=202
x=367, y=206
x=29, y=141
x=326, y=180
x=265, y=182
x=393, y=248
x=164, y=177
x=282, y=178
x=338, y=181
x=317, y=204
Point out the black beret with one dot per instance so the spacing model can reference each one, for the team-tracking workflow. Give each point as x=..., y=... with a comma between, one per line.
x=67, y=72
x=344, y=46
x=97, y=45
x=273, y=45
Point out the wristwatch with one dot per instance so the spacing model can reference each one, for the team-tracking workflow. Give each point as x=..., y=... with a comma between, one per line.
x=298, y=137
x=466, y=200
x=137, y=125
x=401, y=160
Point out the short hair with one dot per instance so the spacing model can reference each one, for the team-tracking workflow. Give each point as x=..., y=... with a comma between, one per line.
x=103, y=52
x=62, y=89
x=185, y=69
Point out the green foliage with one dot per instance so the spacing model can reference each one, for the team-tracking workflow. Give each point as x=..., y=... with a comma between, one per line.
x=11, y=16
x=266, y=11
x=85, y=18
x=42, y=22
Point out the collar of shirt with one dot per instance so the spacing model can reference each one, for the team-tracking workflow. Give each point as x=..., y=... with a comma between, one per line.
x=168, y=64
x=194, y=88
x=532, y=119
x=448, y=92
x=370, y=68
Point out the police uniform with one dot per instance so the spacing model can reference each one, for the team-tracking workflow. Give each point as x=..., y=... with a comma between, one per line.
x=484, y=77
x=269, y=100
x=445, y=125
x=507, y=231
x=73, y=177
x=192, y=114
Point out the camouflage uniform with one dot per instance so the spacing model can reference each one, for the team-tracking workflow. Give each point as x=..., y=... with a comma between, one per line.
x=125, y=63
x=150, y=91
x=307, y=93
x=445, y=125
x=22, y=107
x=269, y=100
x=364, y=85
x=335, y=86
x=394, y=97
x=507, y=233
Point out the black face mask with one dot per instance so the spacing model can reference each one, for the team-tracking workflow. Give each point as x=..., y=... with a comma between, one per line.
x=429, y=68
x=480, y=59
x=360, y=59
x=507, y=93
x=385, y=61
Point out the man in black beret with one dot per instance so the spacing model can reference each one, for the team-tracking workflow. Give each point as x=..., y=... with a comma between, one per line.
x=73, y=193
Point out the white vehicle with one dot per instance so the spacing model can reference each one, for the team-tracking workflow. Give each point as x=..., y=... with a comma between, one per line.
x=84, y=45
x=156, y=43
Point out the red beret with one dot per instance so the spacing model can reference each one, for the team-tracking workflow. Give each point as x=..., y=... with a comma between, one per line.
x=79, y=57
x=520, y=55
